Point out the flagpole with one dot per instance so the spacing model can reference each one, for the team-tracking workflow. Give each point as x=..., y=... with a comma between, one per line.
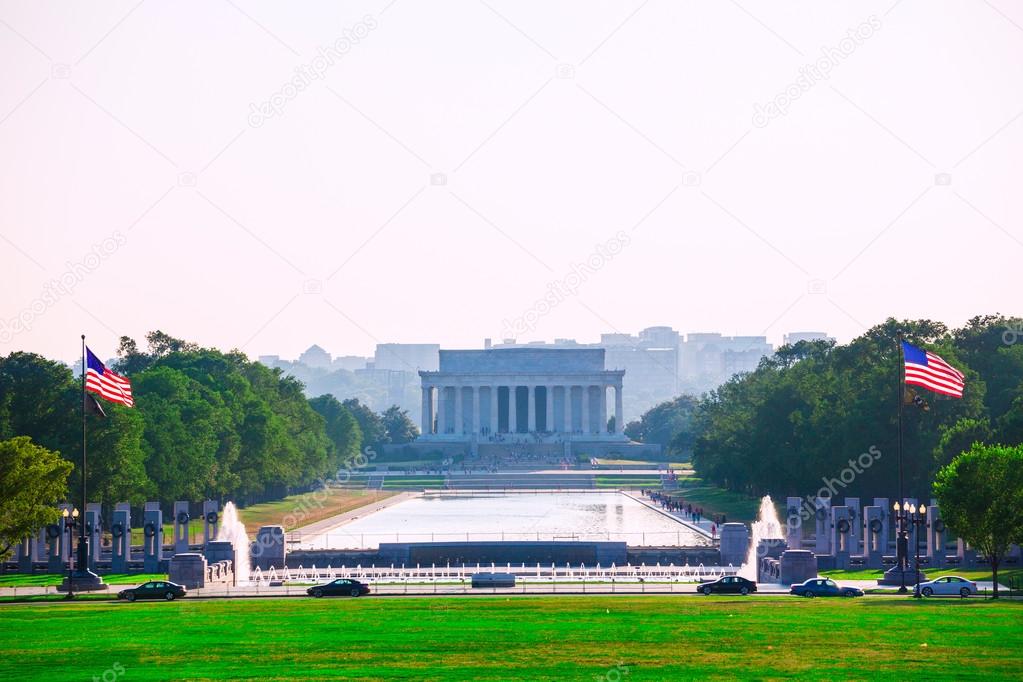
x=900, y=545
x=83, y=548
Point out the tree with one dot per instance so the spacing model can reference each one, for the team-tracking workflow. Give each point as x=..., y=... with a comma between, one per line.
x=981, y=498
x=666, y=423
x=399, y=427
x=374, y=432
x=32, y=481
x=342, y=429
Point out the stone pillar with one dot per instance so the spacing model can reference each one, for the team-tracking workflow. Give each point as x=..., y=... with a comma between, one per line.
x=210, y=521
x=841, y=531
x=269, y=550
x=602, y=402
x=531, y=408
x=793, y=520
x=459, y=416
x=188, y=570
x=475, y=411
x=93, y=531
x=120, y=534
x=442, y=410
x=25, y=552
x=181, y=521
x=619, y=410
x=967, y=555
x=513, y=426
x=886, y=516
x=586, y=410
x=797, y=565
x=567, y=391
x=426, y=426
x=550, y=409
x=935, y=537
x=493, y=410
x=152, y=539
x=822, y=514
x=856, y=523
x=734, y=543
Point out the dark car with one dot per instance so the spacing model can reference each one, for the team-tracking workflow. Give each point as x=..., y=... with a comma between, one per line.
x=154, y=589
x=730, y=584
x=342, y=587
x=824, y=587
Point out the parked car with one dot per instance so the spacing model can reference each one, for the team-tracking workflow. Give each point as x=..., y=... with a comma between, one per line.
x=154, y=589
x=730, y=584
x=493, y=580
x=951, y=585
x=824, y=587
x=342, y=587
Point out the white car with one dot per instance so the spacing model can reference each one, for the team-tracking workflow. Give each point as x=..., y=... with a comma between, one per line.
x=948, y=585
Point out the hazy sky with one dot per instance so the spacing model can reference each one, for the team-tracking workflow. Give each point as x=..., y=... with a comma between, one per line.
x=266, y=175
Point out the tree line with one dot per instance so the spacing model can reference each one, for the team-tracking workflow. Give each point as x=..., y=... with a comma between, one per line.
x=206, y=424
x=810, y=412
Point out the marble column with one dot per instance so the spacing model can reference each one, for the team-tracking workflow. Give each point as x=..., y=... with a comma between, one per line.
x=425, y=428
x=442, y=408
x=475, y=411
x=567, y=392
x=512, y=417
x=619, y=412
x=459, y=423
x=603, y=410
x=493, y=410
x=586, y=410
x=531, y=409
x=549, y=426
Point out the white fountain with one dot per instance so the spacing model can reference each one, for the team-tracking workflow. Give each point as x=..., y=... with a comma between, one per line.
x=766, y=527
x=233, y=530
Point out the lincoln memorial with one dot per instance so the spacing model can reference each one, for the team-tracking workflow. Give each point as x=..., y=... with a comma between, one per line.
x=544, y=393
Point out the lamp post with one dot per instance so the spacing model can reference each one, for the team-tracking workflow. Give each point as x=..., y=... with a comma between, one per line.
x=901, y=544
x=918, y=517
x=70, y=523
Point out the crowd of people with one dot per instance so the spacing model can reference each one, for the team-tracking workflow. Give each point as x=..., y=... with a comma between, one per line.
x=677, y=504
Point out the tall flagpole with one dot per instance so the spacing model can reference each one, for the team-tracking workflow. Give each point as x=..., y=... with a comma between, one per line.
x=83, y=549
x=901, y=543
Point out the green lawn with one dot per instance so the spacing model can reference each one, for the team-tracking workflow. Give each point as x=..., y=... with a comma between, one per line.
x=716, y=500
x=527, y=638
x=41, y=579
x=1004, y=575
x=303, y=509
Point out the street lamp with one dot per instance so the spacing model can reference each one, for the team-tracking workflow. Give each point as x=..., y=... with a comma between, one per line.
x=70, y=523
x=918, y=517
x=901, y=544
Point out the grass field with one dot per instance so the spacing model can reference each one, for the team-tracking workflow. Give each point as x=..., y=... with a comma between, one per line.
x=296, y=511
x=43, y=579
x=1004, y=575
x=532, y=638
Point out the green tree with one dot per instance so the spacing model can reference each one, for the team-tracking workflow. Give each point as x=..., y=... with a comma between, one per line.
x=32, y=481
x=341, y=428
x=669, y=424
x=399, y=427
x=374, y=432
x=981, y=498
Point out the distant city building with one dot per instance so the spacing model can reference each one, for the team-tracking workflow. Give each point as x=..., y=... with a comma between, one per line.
x=796, y=337
x=706, y=360
x=270, y=360
x=407, y=357
x=315, y=357
x=349, y=363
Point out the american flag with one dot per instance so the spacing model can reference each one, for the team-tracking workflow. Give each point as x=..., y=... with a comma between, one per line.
x=924, y=368
x=107, y=383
